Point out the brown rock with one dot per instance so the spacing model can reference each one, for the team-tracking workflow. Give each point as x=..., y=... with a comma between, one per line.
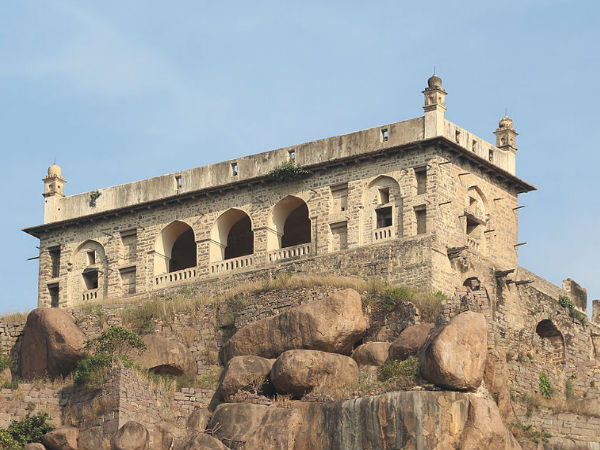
x=484, y=428
x=168, y=435
x=371, y=353
x=297, y=372
x=34, y=446
x=244, y=373
x=255, y=426
x=496, y=380
x=198, y=420
x=333, y=324
x=52, y=344
x=454, y=356
x=410, y=341
x=131, y=436
x=165, y=356
x=63, y=438
x=203, y=441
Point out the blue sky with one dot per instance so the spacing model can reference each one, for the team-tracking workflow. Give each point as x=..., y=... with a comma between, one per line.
x=121, y=91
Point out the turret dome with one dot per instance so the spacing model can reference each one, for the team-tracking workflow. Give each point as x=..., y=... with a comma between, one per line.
x=434, y=82
x=54, y=170
x=505, y=122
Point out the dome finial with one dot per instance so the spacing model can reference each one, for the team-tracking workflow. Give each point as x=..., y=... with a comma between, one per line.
x=434, y=82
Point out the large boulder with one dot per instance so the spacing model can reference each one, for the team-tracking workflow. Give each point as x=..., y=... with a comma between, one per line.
x=244, y=373
x=246, y=425
x=168, y=435
x=165, y=356
x=198, y=420
x=333, y=324
x=63, y=438
x=34, y=446
x=203, y=441
x=131, y=436
x=495, y=376
x=371, y=353
x=484, y=427
x=297, y=372
x=454, y=356
x=410, y=341
x=52, y=344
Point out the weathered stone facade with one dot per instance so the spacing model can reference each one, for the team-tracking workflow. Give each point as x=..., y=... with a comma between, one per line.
x=424, y=182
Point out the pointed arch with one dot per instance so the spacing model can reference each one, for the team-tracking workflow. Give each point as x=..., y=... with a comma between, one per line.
x=291, y=223
x=476, y=214
x=89, y=272
x=231, y=235
x=175, y=248
x=383, y=209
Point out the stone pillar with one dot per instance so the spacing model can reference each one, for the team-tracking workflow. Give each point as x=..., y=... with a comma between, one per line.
x=577, y=294
x=596, y=311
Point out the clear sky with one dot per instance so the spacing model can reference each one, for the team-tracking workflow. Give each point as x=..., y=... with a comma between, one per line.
x=120, y=91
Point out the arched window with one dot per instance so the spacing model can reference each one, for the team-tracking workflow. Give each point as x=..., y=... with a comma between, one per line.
x=89, y=272
x=476, y=218
x=384, y=209
x=290, y=222
x=547, y=330
x=231, y=236
x=175, y=248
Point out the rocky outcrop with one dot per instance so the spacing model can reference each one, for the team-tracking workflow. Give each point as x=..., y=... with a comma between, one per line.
x=34, y=446
x=131, y=436
x=63, y=438
x=484, y=427
x=410, y=341
x=52, y=344
x=198, y=420
x=165, y=356
x=244, y=372
x=454, y=356
x=496, y=380
x=205, y=442
x=245, y=425
x=297, y=372
x=371, y=353
x=333, y=324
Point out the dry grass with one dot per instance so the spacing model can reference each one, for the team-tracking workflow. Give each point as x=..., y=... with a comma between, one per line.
x=15, y=317
x=579, y=406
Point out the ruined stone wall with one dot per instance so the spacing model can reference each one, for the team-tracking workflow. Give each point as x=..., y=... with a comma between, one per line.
x=10, y=339
x=15, y=404
x=566, y=425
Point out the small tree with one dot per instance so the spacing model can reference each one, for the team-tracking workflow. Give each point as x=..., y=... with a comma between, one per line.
x=116, y=341
x=21, y=432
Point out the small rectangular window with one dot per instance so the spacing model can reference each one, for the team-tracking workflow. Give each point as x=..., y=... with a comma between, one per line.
x=491, y=157
x=53, y=291
x=90, y=278
x=128, y=278
x=91, y=257
x=384, y=217
x=339, y=193
x=234, y=169
x=339, y=236
x=385, y=135
x=384, y=196
x=55, y=261
x=292, y=154
x=421, y=176
x=421, y=217
x=474, y=145
x=178, y=182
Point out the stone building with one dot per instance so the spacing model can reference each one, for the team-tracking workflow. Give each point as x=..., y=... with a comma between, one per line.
x=403, y=200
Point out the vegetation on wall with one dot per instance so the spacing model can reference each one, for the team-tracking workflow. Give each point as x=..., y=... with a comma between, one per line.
x=288, y=171
x=21, y=432
x=546, y=388
x=565, y=302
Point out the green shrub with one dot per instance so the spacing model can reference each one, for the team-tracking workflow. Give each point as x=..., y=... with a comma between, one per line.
x=565, y=302
x=546, y=388
x=5, y=361
x=288, y=171
x=92, y=371
x=21, y=432
x=116, y=340
x=394, y=369
x=528, y=431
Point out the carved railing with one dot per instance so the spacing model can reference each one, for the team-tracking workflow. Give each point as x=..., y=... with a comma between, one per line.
x=472, y=243
x=383, y=234
x=90, y=294
x=290, y=252
x=173, y=277
x=228, y=265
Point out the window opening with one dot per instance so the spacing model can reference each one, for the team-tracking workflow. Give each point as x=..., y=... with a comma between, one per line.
x=234, y=169
x=339, y=193
x=491, y=156
x=385, y=135
x=55, y=261
x=384, y=196
x=128, y=280
x=421, y=176
x=339, y=232
x=91, y=257
x=384, y=217
x=421, y=217
x=90, y=277
x=53, y=290
x=178, y=182
x=292, y=154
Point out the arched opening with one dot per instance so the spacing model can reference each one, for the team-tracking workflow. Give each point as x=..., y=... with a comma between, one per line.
x=89, y=272
x=472, y=283
x=291, y=223
x=547, y=330
x=384, y=209
x=175, y=248
x=166, y=369
x=232, y=236
x=476, y=218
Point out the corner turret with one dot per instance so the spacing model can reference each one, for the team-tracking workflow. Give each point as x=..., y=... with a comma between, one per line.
x=435, y=107
x=506, y=140
x=54, y=185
